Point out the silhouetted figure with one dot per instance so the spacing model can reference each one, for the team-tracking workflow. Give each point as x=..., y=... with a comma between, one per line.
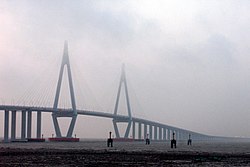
x=110, y=140
x=189, y=140
x=173, y=142
x=147, y=140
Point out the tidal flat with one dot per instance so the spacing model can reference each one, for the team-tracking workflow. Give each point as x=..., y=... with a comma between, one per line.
x=96, y=153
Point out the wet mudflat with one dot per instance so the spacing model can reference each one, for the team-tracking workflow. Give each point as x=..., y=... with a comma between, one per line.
x=95, y=153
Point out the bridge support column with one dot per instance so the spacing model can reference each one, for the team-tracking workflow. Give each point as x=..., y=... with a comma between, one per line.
x=145, y=131
x=139, y=130
x=133, y=130
x=117, y=134
x=164, y=133
x=183, y=137
x=29, y=124
x=150, y=132
x=160, y=133
x=23, y=130
x=193, y=136
x=13, y=125
x=174, y=131
x=187, y=136
x=169, y=134
x=39, y=123
x=72, y=126
x=155, y=133
x=6, y=126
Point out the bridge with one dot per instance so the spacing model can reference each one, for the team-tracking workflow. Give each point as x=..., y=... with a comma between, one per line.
x=153, y=130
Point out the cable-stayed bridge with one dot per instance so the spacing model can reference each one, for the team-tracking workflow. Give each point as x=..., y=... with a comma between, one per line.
x=151, y=129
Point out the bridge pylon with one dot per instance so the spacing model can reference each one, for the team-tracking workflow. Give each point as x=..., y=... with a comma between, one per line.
x=72, y=112
x=123, y=81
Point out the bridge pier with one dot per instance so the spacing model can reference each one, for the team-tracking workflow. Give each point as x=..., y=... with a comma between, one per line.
x=181, y=136
x=6, y=126
x=200, y=138
x=29, y=124
x=23, y=127
x=26, y=125
x=139, y=130
x=169, y=134
x=145, y=131
x=196, y=137
x=174, y=131
x=155, y=133
x=133, y=130
x=187, y=135
x=150, y=132
x=39, y=123
x=13, y=125
x=164, y=134
x=160, y=133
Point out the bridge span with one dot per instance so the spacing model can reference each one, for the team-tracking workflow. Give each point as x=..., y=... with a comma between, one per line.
x=161, y=131
x=154, y=130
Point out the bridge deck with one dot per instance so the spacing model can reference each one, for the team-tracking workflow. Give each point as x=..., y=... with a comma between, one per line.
x=94, y=113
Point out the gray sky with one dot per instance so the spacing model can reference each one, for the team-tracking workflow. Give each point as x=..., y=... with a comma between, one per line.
x=187, y=62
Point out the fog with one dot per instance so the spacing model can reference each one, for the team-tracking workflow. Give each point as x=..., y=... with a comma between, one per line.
x=187, y=62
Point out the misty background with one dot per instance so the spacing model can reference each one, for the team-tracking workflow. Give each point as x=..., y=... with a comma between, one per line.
x=187, y=62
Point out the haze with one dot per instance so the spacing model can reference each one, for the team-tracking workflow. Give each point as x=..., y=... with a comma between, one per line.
x=187, y=62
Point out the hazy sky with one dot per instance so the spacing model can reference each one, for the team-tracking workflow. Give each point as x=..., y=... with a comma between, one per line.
x=187, y=62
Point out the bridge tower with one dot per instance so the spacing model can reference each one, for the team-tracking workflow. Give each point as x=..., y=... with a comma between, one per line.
x=123, y=81
x=72, y=113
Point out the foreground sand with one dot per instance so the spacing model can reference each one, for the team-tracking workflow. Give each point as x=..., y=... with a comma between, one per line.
x=95, y=153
